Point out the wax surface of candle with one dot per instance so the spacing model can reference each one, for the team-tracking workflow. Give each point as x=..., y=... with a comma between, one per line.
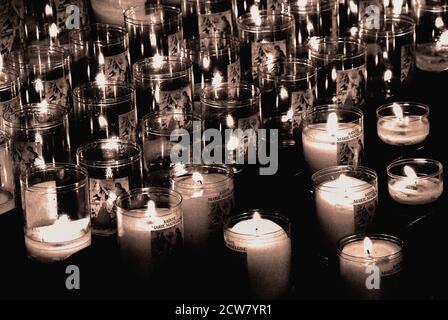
x=432, y=57
x=415, y=191
x=408, y=130
x=268, y=255
x=323, y=149
x=345, y=206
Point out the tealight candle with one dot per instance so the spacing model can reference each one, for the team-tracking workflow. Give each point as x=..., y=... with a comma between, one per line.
x=415, y=181
x=332, y=136
x=150, y=230
x=56, y=209
x=346, y=199
x=263, y=242
x=360, y=256
x=207, y=192
x=7, y=189
x=403, y=123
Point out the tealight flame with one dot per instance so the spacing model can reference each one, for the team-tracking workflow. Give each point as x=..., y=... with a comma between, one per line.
x=255, y=14
x=354, y=31
x=439, y=23
x=158, y=61
x=206, y=62
x=101, y=61
x=39, y=85
x=230, y=122
x=332, y=123
x=288, y=117
x=151, y=209
x=302, y=3
x=387, y=75
x=48, y=10
x=233, y=143
x=102, y=121
x=368, y=245
x=217, y=79
x=443, y=40
x=197, y=177
x=309, y=27
x=256, y=216
x=397, y=5
x=397, y=110
x=410, y=173
x=53, y=30
x=334, y=74
x=353, y=6
x=283, y=93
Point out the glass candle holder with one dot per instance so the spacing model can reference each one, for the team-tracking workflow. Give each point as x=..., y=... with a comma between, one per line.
x=403, y=123
x=153, y=30
x=208, y=199
x=111, y=11
x=9, y=90
x=39, y=134
x=114, y=168
x=164, y=135
x=40, y=22
x=10, y=28
x=216, y=59
x=333, y=136
x=150, y=230
x=228, y=107
x=313, y=19
x=288, y=90
x=432, y=36
x=99, y=48
x=7, y=185
x=341, y=71
x=260, y=241
x=415, y=181
x=56, y=209
x=48, y=75
x=265, y=36
x=346, y=199
x=212, y=16
x=103, y=110
x=360, y=255
x=390, y=56
x=162, y=84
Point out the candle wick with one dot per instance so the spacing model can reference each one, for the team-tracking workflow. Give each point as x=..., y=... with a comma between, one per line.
x=368, y=252
x=256, y=232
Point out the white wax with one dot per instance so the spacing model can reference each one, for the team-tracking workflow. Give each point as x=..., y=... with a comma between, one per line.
x=335, y=205
x=59, y=240
x=7, y=202
x=432, y=57
x=353, y=270
x=268, y=255
x=403, y=132
x=320, y=147
x=197, y=205
x=415, y=192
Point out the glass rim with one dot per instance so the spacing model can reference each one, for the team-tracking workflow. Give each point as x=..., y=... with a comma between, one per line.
x=403, y=104
x=410, y=28
x=64, y=62
x=264, y=73
x=230, y=104
x=225, y=170
x=113, y=163
x=172, y=194
x=248, y=214
x=294, y=7
x=36, y=107
x=74, y=34
x=334, y=108
x=317, y=182
x=78, y=93
x=146, y=128
x=139, y=75
x=243, y=26
x=406, y=161
x=13, y=79
x=155, y=7
x=431, y=7
x=54, y=166
x=314, y=52
x=359, y=237
x=233, y=46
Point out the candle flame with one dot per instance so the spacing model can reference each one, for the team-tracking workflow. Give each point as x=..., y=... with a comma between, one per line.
x=387, y=75
x=288, y=117
x=409, y=172
x=256, y=216
x=158, y=61
x=101, y=78
x=443, y=40
x=255, y=14
x=233, y=143
x=368, y=245
x=102, y=121
x=439, y=23
x=53, y=30
x=217, y=79
x=397, y=5
x=206, y=62
x=48, y=10
x=309, y=27
x=101, y=61
x=230, y=121
x=39, y=85
x=283, y=93
x=197, y=177
x=334, y=74
x=109, y=173
x=332, y=123
x=354, y=31
x=151, y=209
x=397, y=110
x=353, y=6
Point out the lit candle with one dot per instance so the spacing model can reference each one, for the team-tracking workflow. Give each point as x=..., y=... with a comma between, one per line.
x=332, y=142
x=411, y=188
x=433, y=56
x=207, y=193
x=403, y=123
x=267, y=249
x=345, y=204
x=361, y=256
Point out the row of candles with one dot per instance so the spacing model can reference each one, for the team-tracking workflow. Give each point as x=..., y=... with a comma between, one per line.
x=105, y=185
